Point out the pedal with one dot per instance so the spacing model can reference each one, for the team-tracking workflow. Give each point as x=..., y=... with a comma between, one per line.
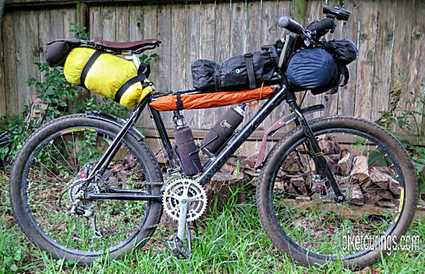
x=177, y=248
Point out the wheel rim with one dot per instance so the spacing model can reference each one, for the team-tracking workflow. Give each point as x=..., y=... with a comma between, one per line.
x=306, y=221
x=49, y=171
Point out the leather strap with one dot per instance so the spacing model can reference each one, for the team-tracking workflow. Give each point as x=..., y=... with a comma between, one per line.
x=179, y=102
x=141, y=77
x=249, y=64
x=346, y=75
x=87, y=67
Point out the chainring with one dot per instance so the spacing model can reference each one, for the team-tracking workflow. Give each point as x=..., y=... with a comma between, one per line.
x=184, y=188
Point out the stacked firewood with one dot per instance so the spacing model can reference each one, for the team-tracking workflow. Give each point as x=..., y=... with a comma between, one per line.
x=363, y=178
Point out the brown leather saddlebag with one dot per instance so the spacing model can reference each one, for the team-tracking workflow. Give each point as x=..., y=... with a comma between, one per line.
x=210, y=99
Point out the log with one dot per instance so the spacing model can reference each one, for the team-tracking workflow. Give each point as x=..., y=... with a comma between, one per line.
x=360, y=168
x=345, y=164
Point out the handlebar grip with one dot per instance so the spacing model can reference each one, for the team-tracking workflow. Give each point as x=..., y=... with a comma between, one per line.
x=291, y=25
x=322, y=27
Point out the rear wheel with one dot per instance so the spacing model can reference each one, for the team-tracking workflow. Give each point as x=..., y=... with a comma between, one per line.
x=50, y=205
x=297, y=207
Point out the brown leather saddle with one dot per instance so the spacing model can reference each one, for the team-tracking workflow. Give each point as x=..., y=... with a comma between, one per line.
x=58, y=50
x=136, y=46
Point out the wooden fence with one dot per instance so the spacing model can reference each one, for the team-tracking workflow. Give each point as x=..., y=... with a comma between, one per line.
x=389, y=35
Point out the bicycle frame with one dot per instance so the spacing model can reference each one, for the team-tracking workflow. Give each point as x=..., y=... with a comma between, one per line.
x=216, y=162
x=213, y=164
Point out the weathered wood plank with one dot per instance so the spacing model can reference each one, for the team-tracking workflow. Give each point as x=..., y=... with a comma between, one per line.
x=194, y=25
x=383, y=56
x=3, y=94
x=314, y=12
x=193, y=43
x=347, y=94
x=238, y=29
x=401, y=54
x=108, y=19
x=416, y=80
x=149, y=28
x=223, y=31
x=178, y=37
x=12, y=104
x=69, y=19
x=96, y=25
x=122, y=30
x=165, y=32
x=269, y=34
x=254, y=11
x=136, y=24
x=208, y=43
x=44, y=23
x=367, y=23
x=27, y=53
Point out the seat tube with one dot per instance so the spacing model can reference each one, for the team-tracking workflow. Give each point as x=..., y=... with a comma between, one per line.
x=163, y=135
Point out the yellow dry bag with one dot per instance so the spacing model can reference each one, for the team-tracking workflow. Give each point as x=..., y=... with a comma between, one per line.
x=107, y=75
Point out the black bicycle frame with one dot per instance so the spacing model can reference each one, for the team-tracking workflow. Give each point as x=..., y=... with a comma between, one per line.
x=216, y=162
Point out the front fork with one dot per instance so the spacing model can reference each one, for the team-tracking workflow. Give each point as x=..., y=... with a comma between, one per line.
x=314, y=148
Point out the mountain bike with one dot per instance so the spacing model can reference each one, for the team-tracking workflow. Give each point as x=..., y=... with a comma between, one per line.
x=88, y=185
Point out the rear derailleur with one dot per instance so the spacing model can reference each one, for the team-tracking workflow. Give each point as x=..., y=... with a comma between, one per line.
x=80, y=206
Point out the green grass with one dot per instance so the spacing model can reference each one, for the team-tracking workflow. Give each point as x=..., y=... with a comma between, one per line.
x=231, y=240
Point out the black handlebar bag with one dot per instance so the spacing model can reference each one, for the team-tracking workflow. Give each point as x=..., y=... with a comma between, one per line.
x=321, y=69
x=313, y=69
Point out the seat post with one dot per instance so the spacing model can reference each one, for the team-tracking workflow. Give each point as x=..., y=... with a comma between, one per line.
x=136, y=60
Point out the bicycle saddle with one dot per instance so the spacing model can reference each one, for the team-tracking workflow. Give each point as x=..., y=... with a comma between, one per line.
x=137, y=46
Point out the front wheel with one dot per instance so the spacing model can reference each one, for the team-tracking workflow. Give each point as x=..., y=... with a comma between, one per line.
x=49, y=199
x=297, y=206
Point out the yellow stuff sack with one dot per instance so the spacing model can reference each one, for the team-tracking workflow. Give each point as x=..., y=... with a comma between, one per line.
x=109, y=75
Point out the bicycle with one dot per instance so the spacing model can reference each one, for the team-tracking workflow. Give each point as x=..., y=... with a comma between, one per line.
x=87, y=185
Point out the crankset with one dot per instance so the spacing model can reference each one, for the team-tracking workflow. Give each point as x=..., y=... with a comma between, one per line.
x=184, y=200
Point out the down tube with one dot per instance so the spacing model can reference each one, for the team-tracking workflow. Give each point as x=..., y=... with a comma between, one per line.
x=246, y=131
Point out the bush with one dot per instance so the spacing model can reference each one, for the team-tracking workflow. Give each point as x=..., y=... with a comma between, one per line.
x=407, y=126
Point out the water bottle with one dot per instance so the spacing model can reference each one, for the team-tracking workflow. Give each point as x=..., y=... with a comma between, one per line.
x=223, y=129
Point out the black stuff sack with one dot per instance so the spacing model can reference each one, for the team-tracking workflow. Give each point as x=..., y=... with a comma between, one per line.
x=344, y=51
x=313, y=69
x=58, y=50
x=243, y=71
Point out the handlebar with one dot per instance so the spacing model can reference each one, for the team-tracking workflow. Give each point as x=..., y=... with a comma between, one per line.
x=321, y=27
x=318, y=28
x=313, y=31
x=291, y=25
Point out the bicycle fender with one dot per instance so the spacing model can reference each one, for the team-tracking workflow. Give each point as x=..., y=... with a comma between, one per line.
x=116, y=121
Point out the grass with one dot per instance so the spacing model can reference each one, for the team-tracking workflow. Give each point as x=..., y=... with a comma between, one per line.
x=230, y=240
